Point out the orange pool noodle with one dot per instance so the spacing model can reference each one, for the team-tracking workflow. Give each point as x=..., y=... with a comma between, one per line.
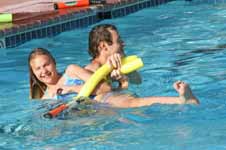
x=77, y=3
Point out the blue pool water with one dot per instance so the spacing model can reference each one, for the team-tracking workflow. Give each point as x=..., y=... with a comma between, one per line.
x=177, y=41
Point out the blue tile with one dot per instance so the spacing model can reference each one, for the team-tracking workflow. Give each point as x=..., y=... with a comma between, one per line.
x=50, y=21
x=49, y=31
x=18, y=39
x=152, y=2
x=145, y=4
x=160, y=2
x=86, y=21
x=61, y=28
x=28, y=36
x=122, y=12
x=7, y=42
x=135, y=8
x=127, y=10
x=66, y=26
x=149, y=4
x=90, y=18
x=54, y=30
x=96, y=19
x=82, y=22
x=13, y=40
x=78, y=23
x=34, y=34
x=114, y=14
x=58, y=28
x=70, y=27
x=140, y=6
x=23, y=37
x=39, y=33
x=44, y=32
x=73, y=24
x=131, y=9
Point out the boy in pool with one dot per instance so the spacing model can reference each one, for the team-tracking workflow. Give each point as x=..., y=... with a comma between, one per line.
x=105, y=45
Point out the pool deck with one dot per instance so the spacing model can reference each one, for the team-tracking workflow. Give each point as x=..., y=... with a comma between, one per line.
x=33, y=19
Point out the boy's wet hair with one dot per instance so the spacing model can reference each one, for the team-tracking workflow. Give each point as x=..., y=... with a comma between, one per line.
x=100, y=33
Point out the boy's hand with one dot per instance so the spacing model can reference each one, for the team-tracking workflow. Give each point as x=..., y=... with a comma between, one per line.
x=116, y=74
x=115, y=61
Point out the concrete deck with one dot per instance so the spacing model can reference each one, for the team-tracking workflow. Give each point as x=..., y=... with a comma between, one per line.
x=33, y=19
x=18, y=6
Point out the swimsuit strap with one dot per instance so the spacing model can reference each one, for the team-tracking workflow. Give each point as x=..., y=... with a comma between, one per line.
x=72, y=81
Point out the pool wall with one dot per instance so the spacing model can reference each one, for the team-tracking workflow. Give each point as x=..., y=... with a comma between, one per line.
x=30, y=26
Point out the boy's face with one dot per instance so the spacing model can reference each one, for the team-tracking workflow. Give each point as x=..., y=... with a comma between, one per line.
x=117, y=44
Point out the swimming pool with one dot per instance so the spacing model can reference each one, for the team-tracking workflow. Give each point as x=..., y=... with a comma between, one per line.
x=177, y=41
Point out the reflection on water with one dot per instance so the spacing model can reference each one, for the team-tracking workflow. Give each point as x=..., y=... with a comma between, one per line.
x=178, y=42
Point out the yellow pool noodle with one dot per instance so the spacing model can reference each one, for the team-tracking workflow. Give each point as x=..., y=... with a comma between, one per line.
x=129, y=64
x=6, y=18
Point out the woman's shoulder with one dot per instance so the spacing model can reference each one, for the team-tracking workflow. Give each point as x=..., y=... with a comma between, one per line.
x=72, y=70
x=72, y=67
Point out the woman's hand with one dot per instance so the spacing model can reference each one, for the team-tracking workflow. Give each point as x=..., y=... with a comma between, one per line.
x=68, y=89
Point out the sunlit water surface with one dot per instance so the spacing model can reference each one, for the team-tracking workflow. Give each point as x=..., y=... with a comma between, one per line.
x=177, y=41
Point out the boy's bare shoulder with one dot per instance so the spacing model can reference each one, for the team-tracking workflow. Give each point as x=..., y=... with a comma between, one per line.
x=92, y=67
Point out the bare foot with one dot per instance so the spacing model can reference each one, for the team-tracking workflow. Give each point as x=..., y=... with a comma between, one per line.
x=185, y=93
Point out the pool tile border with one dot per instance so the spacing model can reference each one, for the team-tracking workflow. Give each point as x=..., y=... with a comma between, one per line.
x=69, y=20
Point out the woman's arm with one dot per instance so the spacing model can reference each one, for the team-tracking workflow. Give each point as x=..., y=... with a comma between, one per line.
x=75, y=71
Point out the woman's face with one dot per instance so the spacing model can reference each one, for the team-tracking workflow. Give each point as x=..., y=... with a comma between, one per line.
x=44, y=69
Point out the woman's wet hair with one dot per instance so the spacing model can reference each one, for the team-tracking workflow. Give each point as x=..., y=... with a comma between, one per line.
x=37, y=88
